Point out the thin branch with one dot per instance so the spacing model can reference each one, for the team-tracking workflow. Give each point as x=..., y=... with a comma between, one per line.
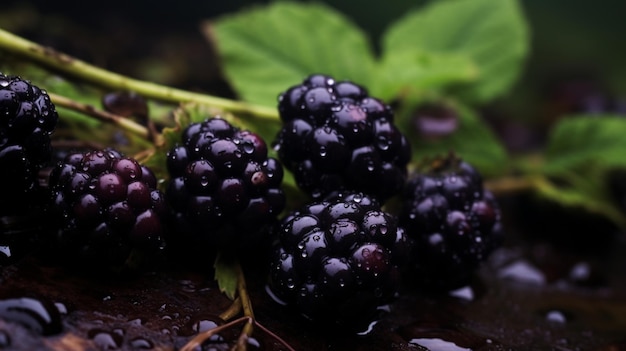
x=89, y=110
x=199, y=339
x=233, y=310
x=247, y=310
x=95, y=75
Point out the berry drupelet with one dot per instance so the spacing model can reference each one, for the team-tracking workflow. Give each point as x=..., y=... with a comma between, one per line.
x=454, y=223
x=107, y=207
x=224, y=189
x=27, y=119
x=336, y=260
x=336, y=136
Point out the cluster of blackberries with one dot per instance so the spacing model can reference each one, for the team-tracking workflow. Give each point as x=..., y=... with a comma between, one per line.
x=341, y=256
x=336, y=259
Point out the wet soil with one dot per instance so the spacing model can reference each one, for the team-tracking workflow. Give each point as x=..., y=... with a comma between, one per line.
x=532, y=294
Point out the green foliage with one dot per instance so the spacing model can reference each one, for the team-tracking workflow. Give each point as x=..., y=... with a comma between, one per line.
x=491, y=33
x=267, y=49
x=586, y=143
x=412, y=74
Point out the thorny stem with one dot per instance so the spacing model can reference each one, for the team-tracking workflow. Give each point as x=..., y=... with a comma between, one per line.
x=101, y=77
x=122, y=122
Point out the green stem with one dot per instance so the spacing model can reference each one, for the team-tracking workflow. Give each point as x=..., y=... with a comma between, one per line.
x=98, y=76
x=122, y=122
x=247, y=310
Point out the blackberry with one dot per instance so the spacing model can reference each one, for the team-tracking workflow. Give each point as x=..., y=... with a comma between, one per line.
x=107, y=207
x=454, y=222
x=337, y=259
x=336, y=136
x=224, y=189
x=27, y=119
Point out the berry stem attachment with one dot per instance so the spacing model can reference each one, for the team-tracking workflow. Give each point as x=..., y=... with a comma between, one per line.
x=89, y=110
x=98, y=76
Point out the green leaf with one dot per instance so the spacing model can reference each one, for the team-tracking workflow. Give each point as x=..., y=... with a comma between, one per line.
x=267, y=49
x=473, y=140
x=587, y=194
x=413, y=72
x=494, y=34
x=226, y=276
x=583, y=143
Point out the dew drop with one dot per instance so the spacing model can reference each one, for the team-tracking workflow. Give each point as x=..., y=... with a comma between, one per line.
x=141, y=344
x=556, y=317
x=437, y=344
x=524, y=272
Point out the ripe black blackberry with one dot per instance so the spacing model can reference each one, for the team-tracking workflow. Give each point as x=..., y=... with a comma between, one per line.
x=336, y=136
x=108, y=210
x=27, y=119
x=454, y=222
x=224, y=189
x=338, y=259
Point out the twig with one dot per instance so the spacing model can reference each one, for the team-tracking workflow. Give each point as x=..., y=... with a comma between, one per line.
x=125, y=123
x=204, y=336
x=247, y=310
x=232, y=310
x=98, y=76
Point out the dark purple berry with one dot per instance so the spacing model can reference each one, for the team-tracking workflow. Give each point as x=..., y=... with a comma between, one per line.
x=454, y=222
x=106, y=207
x=27, y=119
x=336, y=137
x=335, y=260
x=224, y=189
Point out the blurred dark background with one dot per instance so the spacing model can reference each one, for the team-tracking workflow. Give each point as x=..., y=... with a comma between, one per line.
x=577, y=46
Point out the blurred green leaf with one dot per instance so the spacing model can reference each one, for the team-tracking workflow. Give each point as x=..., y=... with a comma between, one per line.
x=493, y=34
x=585, y=193
x=265, y=50
x=473, y=140
x=586, y=143
x=412, y=72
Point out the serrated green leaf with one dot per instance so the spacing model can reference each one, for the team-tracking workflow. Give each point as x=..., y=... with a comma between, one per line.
x=493, y=34
x=473, y=140
x=226, y=276
x=267, y=49
x=412, y=72
x=582, y=143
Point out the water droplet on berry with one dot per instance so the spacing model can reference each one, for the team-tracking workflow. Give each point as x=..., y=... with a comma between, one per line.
x=248, y=148
x=383, y=142
x=323, y=151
